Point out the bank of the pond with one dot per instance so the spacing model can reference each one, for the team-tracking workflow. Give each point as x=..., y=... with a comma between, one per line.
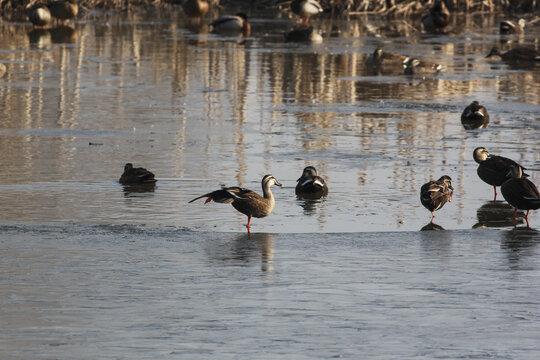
x=15, y=9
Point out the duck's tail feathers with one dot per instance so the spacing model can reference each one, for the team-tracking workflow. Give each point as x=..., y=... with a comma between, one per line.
x=202, y=196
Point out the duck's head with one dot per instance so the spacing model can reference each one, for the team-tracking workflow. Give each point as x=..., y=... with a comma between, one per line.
x=242, y=15
x=480, y=154
x=494, y=51
x=309, y=171
x=246, y=26
x=269, y=180
x=447, y=181
x=128, y=167
x=477, y=109
x=378, y=53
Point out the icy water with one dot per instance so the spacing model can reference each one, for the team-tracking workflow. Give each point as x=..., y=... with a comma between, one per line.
x=91, y=269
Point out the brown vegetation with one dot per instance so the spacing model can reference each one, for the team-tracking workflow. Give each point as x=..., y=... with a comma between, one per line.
x=14, y=9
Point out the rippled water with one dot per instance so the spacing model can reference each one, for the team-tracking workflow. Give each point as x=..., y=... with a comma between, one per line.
x=91, y=269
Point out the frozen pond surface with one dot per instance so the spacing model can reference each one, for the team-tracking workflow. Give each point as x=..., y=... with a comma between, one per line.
x=90, y=269
x=118, y=292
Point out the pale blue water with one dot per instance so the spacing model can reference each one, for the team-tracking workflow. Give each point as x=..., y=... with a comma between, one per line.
x=91, y=270
x=87, y=292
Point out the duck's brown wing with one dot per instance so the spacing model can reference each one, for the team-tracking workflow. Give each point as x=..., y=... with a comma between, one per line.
x=434, y=195
x=226, y=195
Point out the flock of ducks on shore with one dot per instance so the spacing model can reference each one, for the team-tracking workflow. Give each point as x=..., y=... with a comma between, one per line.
x=494, y=170
x=435, y=20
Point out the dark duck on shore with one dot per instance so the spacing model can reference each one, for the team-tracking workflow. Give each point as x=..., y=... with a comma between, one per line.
x=195, y=9
x=493, y=169
x=474, y=116
x=517, y=54
x=437, y=18
x=246, y=201
x=306, y=9
x=232, y=24
x=310, y=184
x=521, y=193
x=303, y=35
x=136, y=176
x=38, y=14
x=64, y=9
x=434, y=194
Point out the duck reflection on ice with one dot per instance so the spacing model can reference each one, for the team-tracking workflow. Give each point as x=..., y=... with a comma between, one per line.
x=495, y=214
x=39, y=37
x=431, y=226
x=519, y=243
x=132, y=189
x=63, y=34
x=308, y=204
x=244, y=248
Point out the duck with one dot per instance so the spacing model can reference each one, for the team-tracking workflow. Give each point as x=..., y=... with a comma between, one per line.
x=311, y=184
x=516, y=54
x=520, y=192
x=246, y=201
x=474, y=116
x=413, y=66
x=434, y=194
x=437, y=18
x=38, y=14
x=512, y=27
x=306, y=9
x=303, y=35
x=232, y=24
x=195, y=9
x=64, y=9
x=494, y=169
x=381, y=57
x=134, y=176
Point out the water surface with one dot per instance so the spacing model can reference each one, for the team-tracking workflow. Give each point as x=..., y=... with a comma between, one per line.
x=90, y=269
x=201, y=110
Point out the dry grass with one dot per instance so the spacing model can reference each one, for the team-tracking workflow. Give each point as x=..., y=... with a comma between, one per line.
x=14, y=9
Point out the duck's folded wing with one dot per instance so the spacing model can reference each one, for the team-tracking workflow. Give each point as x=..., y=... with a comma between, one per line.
x=144, y=174
x=223, y=19
x=236, y=192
